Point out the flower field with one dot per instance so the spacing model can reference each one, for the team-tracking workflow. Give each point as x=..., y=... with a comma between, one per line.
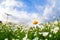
x=48, y=31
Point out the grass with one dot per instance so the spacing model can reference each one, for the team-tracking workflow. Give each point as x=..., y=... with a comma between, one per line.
x=48, y=31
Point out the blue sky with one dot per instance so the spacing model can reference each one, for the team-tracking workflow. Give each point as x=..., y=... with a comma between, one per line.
x=30, y=5
x=25, y=11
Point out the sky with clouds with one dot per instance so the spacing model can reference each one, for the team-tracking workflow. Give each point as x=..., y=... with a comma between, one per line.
x=24, y=11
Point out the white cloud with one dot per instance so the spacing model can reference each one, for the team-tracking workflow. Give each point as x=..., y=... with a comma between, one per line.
x=23, y=16
x=48, y=12
x=7, y=7
x=12, y=3
x=51, y=10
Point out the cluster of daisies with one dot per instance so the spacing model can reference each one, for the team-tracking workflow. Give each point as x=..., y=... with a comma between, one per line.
x=47, y=31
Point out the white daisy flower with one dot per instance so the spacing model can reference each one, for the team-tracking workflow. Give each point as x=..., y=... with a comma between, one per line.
x=6, y=38
x=45, y=34
x=50, y=35
x=55, y=30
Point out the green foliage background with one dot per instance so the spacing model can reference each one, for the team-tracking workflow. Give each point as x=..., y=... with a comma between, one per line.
x=9, y=32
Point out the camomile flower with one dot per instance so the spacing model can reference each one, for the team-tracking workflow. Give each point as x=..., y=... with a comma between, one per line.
x=46, y=39
x=6, y=38
x=36, y=38
x=55, y=30
x=45, y=34
x=50, y=35
x=25, y=38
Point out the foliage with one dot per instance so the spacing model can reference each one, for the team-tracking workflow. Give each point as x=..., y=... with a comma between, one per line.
x=48, y=31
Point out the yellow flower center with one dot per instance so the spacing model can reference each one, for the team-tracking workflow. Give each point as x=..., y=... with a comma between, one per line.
x=35, y=22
